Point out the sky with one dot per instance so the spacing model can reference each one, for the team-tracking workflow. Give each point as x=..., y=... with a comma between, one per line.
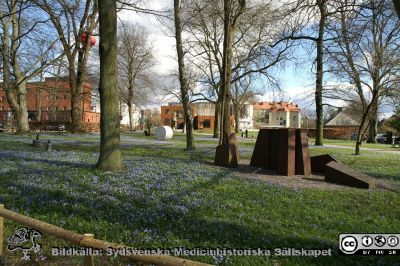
x=293, y=81
x=297, y=82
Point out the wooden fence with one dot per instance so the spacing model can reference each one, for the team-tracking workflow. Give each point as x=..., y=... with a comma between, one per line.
x=85, y=240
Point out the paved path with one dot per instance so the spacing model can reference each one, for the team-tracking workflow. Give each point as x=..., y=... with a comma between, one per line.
x=394, y=151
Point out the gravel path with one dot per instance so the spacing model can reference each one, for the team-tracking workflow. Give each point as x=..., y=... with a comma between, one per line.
x=299, y=181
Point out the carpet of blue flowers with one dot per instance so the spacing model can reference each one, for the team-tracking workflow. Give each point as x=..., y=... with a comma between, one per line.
x=167, y=197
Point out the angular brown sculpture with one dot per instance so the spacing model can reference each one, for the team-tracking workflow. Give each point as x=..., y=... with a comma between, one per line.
x=341, y=174
x=303, y=164
x=260, y=155
x=319, y=162
x=284, y=150
x=227, y=155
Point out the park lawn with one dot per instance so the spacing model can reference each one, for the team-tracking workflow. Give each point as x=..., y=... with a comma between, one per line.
x=167, y=197
x=351, y=143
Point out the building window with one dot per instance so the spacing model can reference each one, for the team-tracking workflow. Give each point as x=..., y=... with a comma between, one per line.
x=166, y=111
x=266, y=117
x=1, y=108
x=294, y=118
x=65, y=108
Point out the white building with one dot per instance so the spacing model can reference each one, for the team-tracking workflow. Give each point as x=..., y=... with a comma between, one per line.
x=276, y=114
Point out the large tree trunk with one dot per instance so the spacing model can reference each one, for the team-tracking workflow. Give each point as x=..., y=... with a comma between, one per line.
x=76, y=111
x=372, y=131
x=130, y=110
x=77, y=88
x=227, y=86
x=217, y=114
x=110, y=155
x=319, y=76
x=22, y=112
x=183, y=79
x=237, y=114
x=373, y=120
x=16, y=91
x=360, y=134
x=227, y=152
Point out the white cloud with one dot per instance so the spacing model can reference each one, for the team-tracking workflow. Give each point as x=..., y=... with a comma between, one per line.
x=164, y=45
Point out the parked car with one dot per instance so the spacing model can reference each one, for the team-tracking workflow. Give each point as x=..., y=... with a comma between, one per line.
x=381, y=138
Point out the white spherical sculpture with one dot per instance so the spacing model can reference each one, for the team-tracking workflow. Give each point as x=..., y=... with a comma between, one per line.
x=164, y=132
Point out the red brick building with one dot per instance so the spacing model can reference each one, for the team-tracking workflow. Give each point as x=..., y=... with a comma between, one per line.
x=50, y=101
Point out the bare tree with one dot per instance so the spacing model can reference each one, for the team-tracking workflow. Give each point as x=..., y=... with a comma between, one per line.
x=232, y=13
x=310, y=18
x=255, y=47
x=134, y=60
x=242, y=95
x=365, y=53
x=71, y=20
x=25, y=53
x=183, y=77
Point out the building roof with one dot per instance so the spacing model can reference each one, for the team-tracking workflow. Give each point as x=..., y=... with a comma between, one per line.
x=342, y=119
x=276, y=106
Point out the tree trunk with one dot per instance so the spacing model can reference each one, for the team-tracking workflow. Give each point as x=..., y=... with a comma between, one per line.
x=372, y=131
x=16, y=91
x=110, y=155
x=319, y=76
x=76, y=92
x=217, y=114
x=22, y=121
x=226, y=153
x=130, y=110
x=22, y=112
x=182, y=78
x=373, y=119
x=227, y=86
x=76, y=112
x=237, y=114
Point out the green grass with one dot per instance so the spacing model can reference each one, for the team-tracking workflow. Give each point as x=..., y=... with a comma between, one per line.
x=167, y=197
x=377, y=164
x=350, y=143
